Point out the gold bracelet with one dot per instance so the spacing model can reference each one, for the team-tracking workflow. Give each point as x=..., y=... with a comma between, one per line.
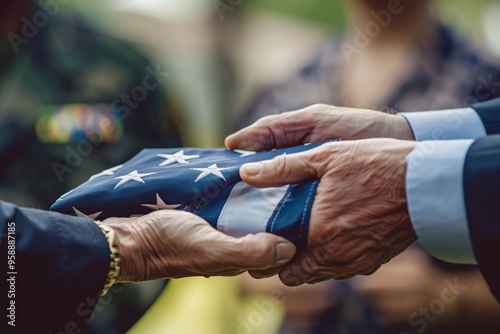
x=114, y=266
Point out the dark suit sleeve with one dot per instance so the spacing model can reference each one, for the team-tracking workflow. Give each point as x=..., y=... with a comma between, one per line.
x=482, y=201
x=489, y=112
x=61, y=263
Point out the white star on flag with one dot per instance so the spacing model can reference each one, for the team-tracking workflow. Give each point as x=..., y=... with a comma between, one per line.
x=109, y=171
x=132, y=176
x=178, y=157
x=244, y=153
x=160, y=205
x=211, y=170
x=91, y=216
x=203, y=181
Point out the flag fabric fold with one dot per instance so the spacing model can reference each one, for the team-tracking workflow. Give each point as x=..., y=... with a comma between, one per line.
x=205, y=182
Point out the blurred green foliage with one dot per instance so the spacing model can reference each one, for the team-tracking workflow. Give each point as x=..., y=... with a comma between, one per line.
x=465, y=15
x=322, y=12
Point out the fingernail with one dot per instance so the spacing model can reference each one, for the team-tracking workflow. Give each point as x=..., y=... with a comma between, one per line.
x=251, y=169
x=284, y=253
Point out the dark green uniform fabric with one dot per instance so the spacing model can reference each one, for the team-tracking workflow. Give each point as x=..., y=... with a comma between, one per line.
x=73, y=101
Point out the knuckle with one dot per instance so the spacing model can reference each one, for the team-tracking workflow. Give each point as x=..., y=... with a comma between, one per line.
x=322, y=112
x=259, y=137
x=283, y=115
x=370, y=271
x=261, y=253
x=294, y=277
x=365, y=265
x=256, y=274
x=267, y=119
x=320, y=158
x=280, y=165
x=318, y=107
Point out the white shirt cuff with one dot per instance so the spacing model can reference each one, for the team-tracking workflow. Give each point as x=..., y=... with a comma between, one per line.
x=462, y=123
x=435, y=195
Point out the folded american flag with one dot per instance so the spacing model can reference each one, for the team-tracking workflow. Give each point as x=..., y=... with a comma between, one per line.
x=205, y=182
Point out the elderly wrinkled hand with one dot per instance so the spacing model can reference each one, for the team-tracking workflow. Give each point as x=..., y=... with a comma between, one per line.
x=359, y=218
x=318, y=122
x=174, y=244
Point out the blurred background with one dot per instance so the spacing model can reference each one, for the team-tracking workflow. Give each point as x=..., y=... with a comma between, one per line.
x=219, y=55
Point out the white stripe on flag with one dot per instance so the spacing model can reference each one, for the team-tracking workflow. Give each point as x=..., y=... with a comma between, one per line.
x=248, y=209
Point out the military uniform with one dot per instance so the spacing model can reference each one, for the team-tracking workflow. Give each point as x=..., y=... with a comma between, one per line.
x=73, y=102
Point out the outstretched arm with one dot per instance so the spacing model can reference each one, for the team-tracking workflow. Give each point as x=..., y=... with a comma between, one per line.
x=61, y=262
x=321, y=122
x=437, y=178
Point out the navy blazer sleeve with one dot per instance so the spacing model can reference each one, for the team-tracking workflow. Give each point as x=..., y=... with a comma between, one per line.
x=482, y=194
x=482, y=202
x=60, y=267
x=489, y=112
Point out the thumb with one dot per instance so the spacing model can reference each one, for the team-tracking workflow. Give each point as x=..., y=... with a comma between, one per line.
x=276, y=131
x=262, y=251
x=282, y=170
